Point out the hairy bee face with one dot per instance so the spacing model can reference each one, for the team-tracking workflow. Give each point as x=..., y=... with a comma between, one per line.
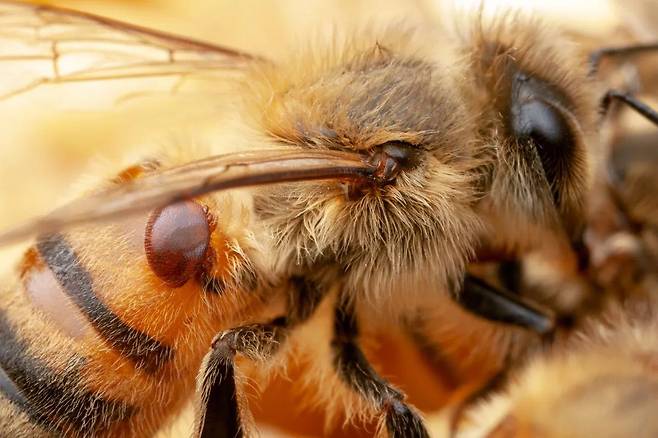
x=416, y=219
x=490, y=131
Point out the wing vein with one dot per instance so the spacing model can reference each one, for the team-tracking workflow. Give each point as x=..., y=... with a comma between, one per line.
x=84, y=47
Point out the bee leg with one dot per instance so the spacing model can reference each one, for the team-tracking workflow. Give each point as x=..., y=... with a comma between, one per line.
x=631, y=101
x=623, y=51
x=498, y=305
x=354, y=369
x=219, y=414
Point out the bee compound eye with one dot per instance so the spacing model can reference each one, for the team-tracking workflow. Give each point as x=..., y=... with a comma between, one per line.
x=538, y=117
x=176, y=241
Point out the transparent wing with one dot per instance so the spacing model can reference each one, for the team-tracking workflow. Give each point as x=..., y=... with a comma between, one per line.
x=196, y=179
x=41, y=45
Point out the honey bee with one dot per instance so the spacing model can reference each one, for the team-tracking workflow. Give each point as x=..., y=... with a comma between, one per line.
x=374, y=171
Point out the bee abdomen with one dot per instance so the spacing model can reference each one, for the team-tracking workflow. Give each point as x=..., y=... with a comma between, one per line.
x=105, y=370
x=146, y=352
x=54, y=399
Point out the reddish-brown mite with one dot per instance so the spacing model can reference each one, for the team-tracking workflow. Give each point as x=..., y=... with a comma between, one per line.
x=176, y=241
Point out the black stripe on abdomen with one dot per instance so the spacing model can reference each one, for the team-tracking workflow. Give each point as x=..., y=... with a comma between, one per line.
x=10, y=391
x=147, y=353
x=55, y=399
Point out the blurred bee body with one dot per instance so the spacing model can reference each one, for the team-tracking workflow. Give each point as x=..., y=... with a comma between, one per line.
x=601, y=380
x=607, y=385
x=415, y=160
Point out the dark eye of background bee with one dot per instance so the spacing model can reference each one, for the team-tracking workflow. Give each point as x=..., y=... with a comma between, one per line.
x=176, y=241
x=534, y=118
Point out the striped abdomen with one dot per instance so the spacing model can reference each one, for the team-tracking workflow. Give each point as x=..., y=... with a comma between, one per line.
x=93, y=342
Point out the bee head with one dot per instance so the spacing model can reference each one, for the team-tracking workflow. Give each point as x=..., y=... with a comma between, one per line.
x=478, y=142
x=385, y=99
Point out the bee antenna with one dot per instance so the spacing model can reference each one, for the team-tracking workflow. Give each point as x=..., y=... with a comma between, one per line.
x=595, y=59
x=613, y=52
x=632, y=102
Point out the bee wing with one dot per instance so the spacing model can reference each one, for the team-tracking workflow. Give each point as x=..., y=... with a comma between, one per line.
x=195, y=179
x=42, y=45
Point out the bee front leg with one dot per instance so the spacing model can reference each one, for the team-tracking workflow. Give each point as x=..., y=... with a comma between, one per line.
x=353, y=368
x=219, y=414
